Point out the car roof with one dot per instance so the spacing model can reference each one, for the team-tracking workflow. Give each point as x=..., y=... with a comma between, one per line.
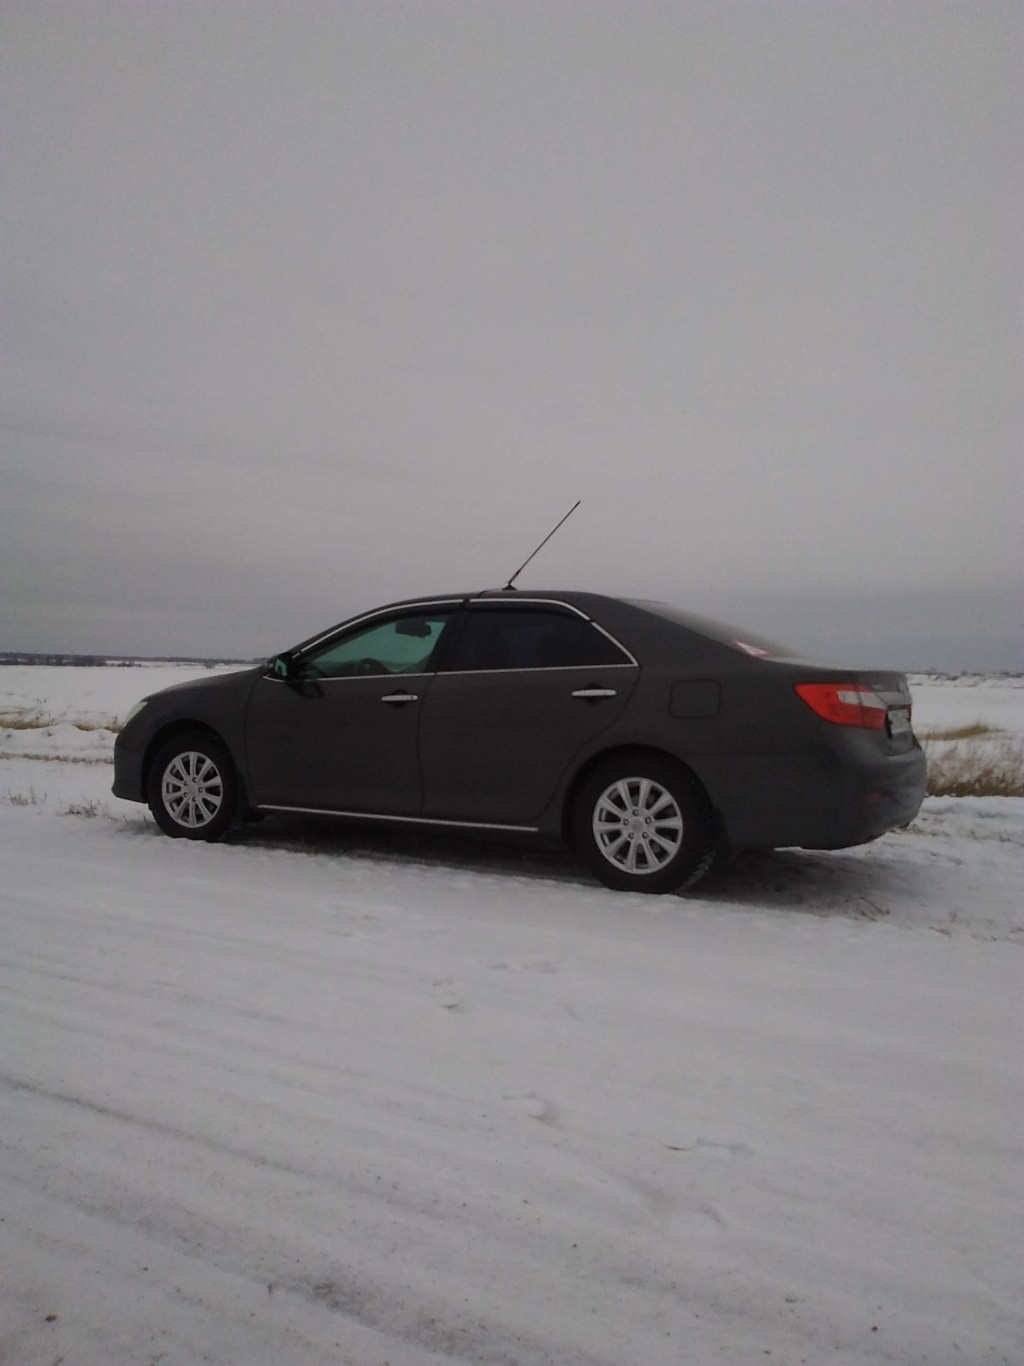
x=592, y=603
x=571, y=597
x=574, y=597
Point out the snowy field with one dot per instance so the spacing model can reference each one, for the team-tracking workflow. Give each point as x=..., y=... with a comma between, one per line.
x=326, y=1096
x=950, y=702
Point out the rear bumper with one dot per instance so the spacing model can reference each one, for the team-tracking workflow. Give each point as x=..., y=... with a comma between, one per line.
x=827, y=798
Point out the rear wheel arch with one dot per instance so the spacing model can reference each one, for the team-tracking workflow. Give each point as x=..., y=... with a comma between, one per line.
x=642, y=820
x=617, y=752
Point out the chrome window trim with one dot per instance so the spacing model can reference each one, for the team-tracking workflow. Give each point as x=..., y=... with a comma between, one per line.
x=532, y=669
x=467, y=604
x=634, y=663
x=364, y=678
x=344, y=678
x=518, y=600
x=462, y=673
x=598, y=627
x=396, y=610
x=408, y=820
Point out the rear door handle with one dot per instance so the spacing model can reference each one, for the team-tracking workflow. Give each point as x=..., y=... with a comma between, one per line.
x=593, y=694
x=398, y=698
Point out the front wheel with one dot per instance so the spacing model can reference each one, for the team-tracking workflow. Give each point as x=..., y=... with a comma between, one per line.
x=644, y=824
x=192, y=789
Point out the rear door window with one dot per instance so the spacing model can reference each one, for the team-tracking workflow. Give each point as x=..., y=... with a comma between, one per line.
x=529, y=638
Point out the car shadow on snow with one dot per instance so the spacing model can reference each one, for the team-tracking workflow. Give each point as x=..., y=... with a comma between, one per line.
x=816, y=883
x=457, y=851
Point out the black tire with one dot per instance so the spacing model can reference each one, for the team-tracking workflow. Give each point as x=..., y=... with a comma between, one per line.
x=192, y=788
x=667, y=835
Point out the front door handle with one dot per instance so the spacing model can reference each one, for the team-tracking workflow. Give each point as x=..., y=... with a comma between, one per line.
x=399, y=698
x=594, y=694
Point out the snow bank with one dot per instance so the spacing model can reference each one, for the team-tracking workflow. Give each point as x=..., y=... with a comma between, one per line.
x=941, y=703
x=90, y=696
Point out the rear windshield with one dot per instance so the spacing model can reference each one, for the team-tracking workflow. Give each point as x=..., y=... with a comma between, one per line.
x=736, y=636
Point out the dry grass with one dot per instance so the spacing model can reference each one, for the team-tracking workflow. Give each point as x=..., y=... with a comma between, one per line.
x=52, y=758
x=29, y=798
x=90, y=807
x=974, y=730
x=24, y=719
x=976, y=770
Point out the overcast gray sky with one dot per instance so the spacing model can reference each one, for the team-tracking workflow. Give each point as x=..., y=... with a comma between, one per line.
x=308, y=306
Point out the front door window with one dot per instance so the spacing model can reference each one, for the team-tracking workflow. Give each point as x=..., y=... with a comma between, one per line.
x=403, y=645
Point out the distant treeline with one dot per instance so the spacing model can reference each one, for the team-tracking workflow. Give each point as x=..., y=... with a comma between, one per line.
x=114, y=661
x=137, y=661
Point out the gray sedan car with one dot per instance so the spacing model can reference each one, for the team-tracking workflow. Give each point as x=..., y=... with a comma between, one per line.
x=646, y=737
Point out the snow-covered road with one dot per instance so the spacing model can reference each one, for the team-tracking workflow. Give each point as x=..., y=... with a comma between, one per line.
x=345, y=1097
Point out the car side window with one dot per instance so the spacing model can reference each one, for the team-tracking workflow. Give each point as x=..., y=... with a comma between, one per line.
x=525, y=638
x=403, y=645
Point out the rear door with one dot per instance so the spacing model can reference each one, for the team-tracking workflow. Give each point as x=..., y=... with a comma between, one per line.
x=524, y=687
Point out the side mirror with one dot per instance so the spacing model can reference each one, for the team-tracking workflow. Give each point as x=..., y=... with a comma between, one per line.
x=281, y=666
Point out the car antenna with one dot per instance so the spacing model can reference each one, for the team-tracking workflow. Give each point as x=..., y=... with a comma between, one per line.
x=510, y=586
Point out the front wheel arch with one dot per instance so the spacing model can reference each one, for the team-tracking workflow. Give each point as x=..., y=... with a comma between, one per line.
x=192, y=786
x=169, y=732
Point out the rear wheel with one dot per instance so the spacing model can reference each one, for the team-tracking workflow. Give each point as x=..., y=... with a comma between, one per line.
x=192, y=789
x=644, y=824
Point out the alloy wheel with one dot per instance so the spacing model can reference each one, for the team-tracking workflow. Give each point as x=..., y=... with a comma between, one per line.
x=637, y=825
x=192, y=789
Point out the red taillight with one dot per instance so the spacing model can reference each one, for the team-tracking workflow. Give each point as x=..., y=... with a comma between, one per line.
x=845, y=704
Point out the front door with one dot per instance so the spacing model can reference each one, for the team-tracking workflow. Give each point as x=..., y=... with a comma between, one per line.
x=341, y=735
